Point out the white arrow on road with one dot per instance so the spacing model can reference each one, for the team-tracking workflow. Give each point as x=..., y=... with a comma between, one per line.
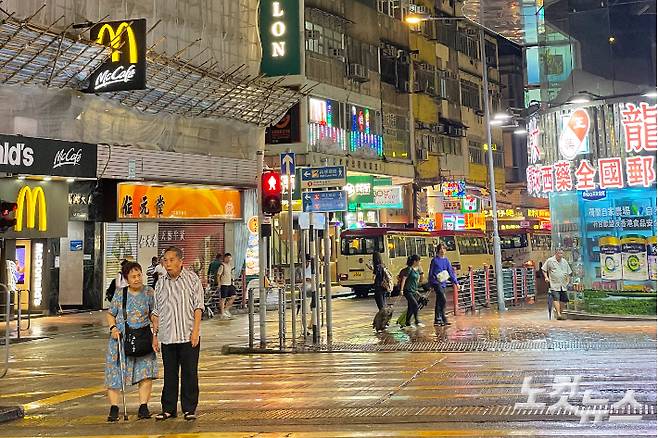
x=288, y=164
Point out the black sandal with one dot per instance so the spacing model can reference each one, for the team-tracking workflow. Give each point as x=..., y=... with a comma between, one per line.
x=113, y=416
x=143, y=413
x=189, y=416
x=164, y=416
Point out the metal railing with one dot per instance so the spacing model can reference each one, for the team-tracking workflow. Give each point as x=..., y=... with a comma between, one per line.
x=478, y=289
x=7, y=313
x=19, y=311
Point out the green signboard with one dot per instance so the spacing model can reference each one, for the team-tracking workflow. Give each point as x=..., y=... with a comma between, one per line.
x=280, y=37
x=359, y=190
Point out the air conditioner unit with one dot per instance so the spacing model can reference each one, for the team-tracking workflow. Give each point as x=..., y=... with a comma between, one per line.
x=404, y=57
x=358, y=72
x=312, y=34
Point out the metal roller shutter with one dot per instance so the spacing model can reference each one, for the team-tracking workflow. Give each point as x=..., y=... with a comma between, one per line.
x=120, y=242
x=200, y=242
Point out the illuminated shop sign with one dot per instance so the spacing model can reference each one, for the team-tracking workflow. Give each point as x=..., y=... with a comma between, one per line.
x=126, y=67
x=454, y=189
x=574, y=137
x=640, y=126
x=280, y=37
x=29, y=201
x=37, y=274
x=607, y=173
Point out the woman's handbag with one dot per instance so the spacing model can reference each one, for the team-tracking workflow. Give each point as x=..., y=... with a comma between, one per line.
x=136, y=342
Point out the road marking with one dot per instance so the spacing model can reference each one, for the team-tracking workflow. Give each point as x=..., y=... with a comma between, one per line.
x=61, y=398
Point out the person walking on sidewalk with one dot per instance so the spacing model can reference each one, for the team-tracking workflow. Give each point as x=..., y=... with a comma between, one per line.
x=440, y=271
x=410, y=277
x=557, y=274
x=138, y=370
x=178, y=310
x=226, y=289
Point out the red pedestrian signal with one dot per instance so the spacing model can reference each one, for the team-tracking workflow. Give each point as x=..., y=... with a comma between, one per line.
x=271, y=192
x=7, y=209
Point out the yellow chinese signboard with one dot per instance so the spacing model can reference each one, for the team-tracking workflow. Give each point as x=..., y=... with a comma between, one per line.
x=142, y=201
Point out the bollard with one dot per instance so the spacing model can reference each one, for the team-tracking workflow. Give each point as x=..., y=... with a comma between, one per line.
x=487, y=286
x=471, y=278
x=250, y=304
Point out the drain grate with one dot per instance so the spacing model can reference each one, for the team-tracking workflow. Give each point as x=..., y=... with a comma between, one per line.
x=438, y=413
x=478, y=346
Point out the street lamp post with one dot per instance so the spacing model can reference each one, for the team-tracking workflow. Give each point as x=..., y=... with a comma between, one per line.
x=498, y=263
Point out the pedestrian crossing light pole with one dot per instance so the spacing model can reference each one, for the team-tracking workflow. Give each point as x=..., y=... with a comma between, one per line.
x=415, y=19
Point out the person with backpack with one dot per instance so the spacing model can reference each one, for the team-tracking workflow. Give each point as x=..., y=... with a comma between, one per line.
x=382, y=280
x=440, y=271
x=409, y=282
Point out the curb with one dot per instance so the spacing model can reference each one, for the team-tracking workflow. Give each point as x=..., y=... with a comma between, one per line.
x=603, y=317
x=11, y=413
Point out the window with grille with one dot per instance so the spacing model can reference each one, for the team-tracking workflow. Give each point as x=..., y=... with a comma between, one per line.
x=470, y=93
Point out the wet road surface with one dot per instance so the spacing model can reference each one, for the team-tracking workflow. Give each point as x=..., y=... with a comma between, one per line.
x=58, y=380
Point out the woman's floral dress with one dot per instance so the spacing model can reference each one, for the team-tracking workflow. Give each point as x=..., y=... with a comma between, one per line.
x=138, y=308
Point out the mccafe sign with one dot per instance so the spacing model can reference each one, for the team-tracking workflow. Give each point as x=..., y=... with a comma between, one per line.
x=43, y=156
x=125, y=69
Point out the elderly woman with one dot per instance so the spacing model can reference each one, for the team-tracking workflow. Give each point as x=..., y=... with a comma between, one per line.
x=138, y=370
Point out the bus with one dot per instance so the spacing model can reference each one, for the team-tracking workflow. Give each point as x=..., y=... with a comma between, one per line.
x=464, y=249
x=525, y=246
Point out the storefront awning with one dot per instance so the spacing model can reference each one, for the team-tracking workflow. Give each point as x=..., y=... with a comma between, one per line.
x=32, y=54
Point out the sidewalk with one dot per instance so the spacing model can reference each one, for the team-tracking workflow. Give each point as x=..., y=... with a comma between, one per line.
x=352, y=323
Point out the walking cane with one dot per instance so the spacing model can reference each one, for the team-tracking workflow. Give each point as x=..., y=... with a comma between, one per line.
x=122, y=366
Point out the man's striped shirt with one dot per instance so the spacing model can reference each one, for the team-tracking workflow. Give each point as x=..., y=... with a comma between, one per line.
x=176, y=299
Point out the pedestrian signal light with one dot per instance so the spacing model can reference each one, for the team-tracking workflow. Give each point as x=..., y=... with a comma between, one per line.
x=271, y=192
x=7, y=209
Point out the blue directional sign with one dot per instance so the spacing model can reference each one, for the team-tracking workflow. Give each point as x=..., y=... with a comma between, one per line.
x=322, y=202
x=328, y=176
x=287, y=163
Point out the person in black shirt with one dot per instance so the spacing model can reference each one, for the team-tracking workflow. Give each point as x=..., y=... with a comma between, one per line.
x=378, y=270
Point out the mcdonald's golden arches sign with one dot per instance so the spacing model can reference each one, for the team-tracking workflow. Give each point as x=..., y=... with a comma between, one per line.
x=125, y=69
x=42, y=208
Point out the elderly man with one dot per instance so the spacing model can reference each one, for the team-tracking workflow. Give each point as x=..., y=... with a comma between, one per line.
x=557, y=273
x=178, y=310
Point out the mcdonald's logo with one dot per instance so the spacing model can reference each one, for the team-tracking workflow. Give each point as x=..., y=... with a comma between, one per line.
x=123, y=32
x=31, y=198
x=125, y=69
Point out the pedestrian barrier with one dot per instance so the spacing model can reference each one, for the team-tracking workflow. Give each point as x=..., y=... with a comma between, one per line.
x=7, y=314
x=478, y=288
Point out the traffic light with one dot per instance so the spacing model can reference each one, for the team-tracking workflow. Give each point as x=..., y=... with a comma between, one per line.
x=6, y=209
x=271, y=192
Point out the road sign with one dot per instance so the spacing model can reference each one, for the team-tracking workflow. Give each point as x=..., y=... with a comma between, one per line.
x=322, y=202
x=318, y=177
x=287, y=163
